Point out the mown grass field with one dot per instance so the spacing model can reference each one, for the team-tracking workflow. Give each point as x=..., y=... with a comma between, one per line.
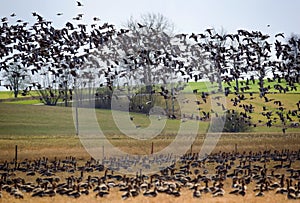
x=48, y=131
x=10, y=95
x=26, y=119
x=253, y=87
x=21, y=119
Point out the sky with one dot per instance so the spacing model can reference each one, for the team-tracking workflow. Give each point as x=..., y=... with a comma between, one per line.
x=188, y=16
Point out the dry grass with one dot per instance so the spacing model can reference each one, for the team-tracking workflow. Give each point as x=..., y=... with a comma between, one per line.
x=62, y=146
x=52, y=146
x=186, y=197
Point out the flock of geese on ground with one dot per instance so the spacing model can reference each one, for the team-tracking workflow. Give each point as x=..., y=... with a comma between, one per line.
x=268, y=171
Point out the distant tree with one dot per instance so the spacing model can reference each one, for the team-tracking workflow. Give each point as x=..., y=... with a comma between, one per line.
x=258, y=56
x=147, y=55
x=155, y=21
x=215, y=45
x=151, y=36
x=96, y=79
x=289, y=54
x=53, y=84
x=16, y=79
x=235, y=55
x=12, y=55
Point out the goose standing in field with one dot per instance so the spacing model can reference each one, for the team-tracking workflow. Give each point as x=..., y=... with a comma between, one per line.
x=196, y=192
x=101, y=186
x=18, y=194
x=151, y=193
x=38, y=191
x=205, y=189
x=50, y=192
x=260, y=193
x=176, y=191
x=126, y=194
x=239, y=189
x=292, y=195
x=219, y=192
x=75, y=192
x=134, y=191
x=102, y=193
x=297, y=193
x=163, y=188
x=1, y=188
x=283, y=190
x=235, y=181
x=291, y=187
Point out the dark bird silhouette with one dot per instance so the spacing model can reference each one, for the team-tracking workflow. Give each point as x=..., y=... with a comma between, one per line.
x=140, y=25
x=40, y=18
x=280, y=35
x=194, y=36
x=79, y=3
x=209, y=31
x=70, y=26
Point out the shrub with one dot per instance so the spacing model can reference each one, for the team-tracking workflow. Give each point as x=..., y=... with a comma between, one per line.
x=231, y=122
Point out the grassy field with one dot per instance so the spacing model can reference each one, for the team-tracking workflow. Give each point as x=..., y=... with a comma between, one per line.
x=48, y=131
x=29, y=101
x=36, y=127
x=20, y=119
x=200, y=86
x=10, y=94
x=253, y=87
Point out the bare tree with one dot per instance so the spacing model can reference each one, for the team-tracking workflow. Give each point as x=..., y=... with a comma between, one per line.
x=150, y=34
x=215, y=45
x=235, y=56
x=155, y=21
x=149, y=55
x=258, y=52
x=289, y=54
x=16, y=78
x=12, y=56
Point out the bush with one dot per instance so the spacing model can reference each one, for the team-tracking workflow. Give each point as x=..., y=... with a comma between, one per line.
x=231, y=122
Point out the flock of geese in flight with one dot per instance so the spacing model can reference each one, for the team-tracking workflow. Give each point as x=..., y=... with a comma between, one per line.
x=265, y=172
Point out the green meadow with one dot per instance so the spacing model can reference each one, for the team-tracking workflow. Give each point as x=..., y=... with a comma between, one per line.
x=24, y=117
